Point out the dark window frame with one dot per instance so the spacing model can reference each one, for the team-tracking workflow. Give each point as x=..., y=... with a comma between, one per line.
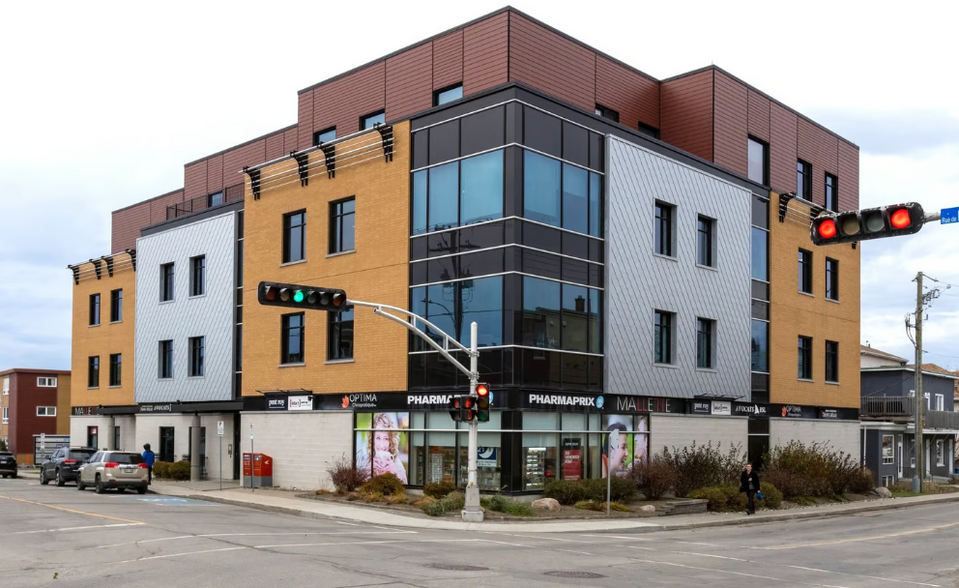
x=116, y=367
x=438, y=94
x=663, y=228
x=93, y=371
x=705, y=241
x=832, y=279
x=165, y=357
x=337, y=220
x=196, y=367
x=831, y=193
x=805, y=278
x=167, y=282
x=705, y=340
x=288, y=228
x=832, y=362
x=212, y=200
x=663, y=325
x=335, y=328
x=198, y=275
x=318, y=134
x=765, y=163
x=94, y=309
x=286, y=330
x=374, y=114
x=648, y=130
x=607, y=113
x=116, y=305
x=804, y=363
x=804, y=180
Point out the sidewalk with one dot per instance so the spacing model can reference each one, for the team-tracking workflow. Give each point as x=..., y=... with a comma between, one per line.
x=282, y=502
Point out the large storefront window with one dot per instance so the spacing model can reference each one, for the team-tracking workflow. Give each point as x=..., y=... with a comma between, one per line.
x=458, y=193
x=453, y=306
x=539, y=450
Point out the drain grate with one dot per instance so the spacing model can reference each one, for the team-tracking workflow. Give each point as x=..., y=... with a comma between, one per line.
x=456, y=568
x=576, y=575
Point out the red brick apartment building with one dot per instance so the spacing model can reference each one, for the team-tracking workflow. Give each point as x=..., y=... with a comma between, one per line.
x=33, y=402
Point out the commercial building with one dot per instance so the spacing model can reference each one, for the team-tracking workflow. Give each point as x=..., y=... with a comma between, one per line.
x=635, y=253
x=34, y=403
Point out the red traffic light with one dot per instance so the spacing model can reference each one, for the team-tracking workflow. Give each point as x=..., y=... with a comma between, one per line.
x=827, y=229
x=482, y=390
x=900, y=219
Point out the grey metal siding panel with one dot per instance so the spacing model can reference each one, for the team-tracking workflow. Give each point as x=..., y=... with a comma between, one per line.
x=638, y=282
x=210, y=316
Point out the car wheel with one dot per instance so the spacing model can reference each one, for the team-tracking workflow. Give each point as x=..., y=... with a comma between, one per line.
x=59, y=478
x=14, y=476
x=80, y=485
x=43, y=479
x=98, y=485
x=4, y=476
x=141, y=490
x=121, y=490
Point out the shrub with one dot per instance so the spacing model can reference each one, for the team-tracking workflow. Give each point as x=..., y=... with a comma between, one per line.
x=161, y=469
x=3, y=445
x=702, y=466
x=814, y=470
x=600, y=506
x=385, y=485
x=179, y=470
x=566, y=492
x=861, y=481
x=569, y=492
x=772, y=497
x=726, y=498
x=654, y=477
x=438, y=489
x=500, y=503
x=451, y=502
x=344, y=476
x=423, y=501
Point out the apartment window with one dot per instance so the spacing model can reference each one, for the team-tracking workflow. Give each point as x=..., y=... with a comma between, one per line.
x=166, y=282
x=804, y=180
x=214, y=199
x=94, y=309
x=832, y=361
x=368, y=121
x=445, y=95
x=805, y=358
x=607, y=113
x=343, y=225
x=832, y=193
x=292, y=327
x=93, y=372
x=340, y=345
x=196, y=357
x=324, y=135
x=705, y=331
x=832, y=279
x=116, y=360
x=51, y=411
x=166, y=359
x=939, y=453
x=6, y=386
x=43, y=383
x=6, y=414
x=116, y=306
x=805, y=271
x=294, y=236
x=705, y=250
x=648, y=130
x=888, y=457
x=198, y=275
x=664, y=229
x=940, y=402
x=663, y=337
x=758, y=166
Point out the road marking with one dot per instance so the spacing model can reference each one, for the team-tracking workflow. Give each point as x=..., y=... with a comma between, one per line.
x=73, y=529
x=862, y=576
x=217, y=535
x=80, y=512
x=710, y=555
x=604, y=536
x=860, y=539
x=178, y=555
x=278, y=545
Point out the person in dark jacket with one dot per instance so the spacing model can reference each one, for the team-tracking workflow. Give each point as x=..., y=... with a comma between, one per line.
x=749, y=483
x=149, y=458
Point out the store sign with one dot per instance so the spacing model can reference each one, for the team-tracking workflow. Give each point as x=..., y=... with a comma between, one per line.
x=791, y=411
x=565, y=400
x=356, y=401
x=701, y=407
x=276, y=402
x=722, y=407
x=486, y=457
x=641, y=404
x=828, y=413
x=84, y=411
x=300, y=402
x=753, y=410
x=156, y=408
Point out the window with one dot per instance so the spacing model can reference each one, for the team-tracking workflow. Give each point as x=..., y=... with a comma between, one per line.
x=94, y=309
x=166, y=359
x=760, y=346
x=214, y=199
x=340, y=345
x=759, y=254
x=6, y=414
x=705, y=331
x=804, y=180
x=832, y=361
x=758, y=170
x=93, y=372
x=939, y=453
x=458, y=193
x=453, y=306
x=561, y=194
x=888, y=457
x=805, y=358
x=166, y=282
x=805, y=271
x=167, y=444
x=49, y=411
x=664, y=229
x=663, y=337
x=6, y=385
x=541, y=189
x=116, y=360
x=324, y=135
x=196, y=357
x=705, y=247
x=368, y=121
x=292, y=333
x=940, y=404
x=832, y=279
x=198, y=275
x=343, y=225
x=832, y=193
x=294, y=236
x=481, y=188
x=648, y=130
x=42, y=383
x=116, y=306
x=445, y=95
x=607, y=113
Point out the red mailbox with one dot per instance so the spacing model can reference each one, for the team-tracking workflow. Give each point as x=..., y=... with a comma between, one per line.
x=247, y=465
x=262, y=466
x=257, y=470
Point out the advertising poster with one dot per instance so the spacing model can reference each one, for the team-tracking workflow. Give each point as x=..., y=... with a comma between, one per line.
x=572, y=458
x=385, y=449
x=641, y=440
x=617, y=444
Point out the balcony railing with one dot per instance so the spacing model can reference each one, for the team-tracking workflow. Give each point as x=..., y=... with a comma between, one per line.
x=231, y=194
x=903, y=408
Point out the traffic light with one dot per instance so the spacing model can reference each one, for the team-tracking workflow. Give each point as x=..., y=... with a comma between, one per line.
x=305, y=297
x=467, y=408
x=868, y=223
x=482, y=403
x=454, y=407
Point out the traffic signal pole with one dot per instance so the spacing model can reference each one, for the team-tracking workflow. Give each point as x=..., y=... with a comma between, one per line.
x=472, y=513
x=920, y=465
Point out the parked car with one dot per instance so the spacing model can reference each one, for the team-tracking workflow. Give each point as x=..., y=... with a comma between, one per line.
x=63, y=464
x=113, y=469
x=8, y=464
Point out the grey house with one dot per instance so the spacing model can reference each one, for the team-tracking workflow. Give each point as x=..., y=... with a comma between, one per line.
x=888, y=418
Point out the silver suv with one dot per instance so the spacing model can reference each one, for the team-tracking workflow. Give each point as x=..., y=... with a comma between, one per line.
x=113, y=469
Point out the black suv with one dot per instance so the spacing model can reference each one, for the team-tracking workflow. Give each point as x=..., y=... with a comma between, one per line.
x=8, y=464
x=64, y=463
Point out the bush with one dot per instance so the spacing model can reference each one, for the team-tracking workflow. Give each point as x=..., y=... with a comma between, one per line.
x=726, y=498
x=438, y=489
x=654, y=477
x=814, y=470
x=384, y=485
x=600, y=506
x=703, y=466
x=450, y=503
x=500, y=503
x=566, y=492
x=161, y=469
x=178, y=471
x=772, y=497
x=344, y=476
x=861, y=481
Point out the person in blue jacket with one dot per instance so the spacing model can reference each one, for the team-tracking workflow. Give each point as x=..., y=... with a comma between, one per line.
x=149, y=457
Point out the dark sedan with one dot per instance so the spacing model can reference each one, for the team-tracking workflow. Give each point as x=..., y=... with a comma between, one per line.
x=63, y=464
x=8, y=464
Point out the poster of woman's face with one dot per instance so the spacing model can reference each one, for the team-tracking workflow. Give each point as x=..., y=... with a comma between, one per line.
x=617, y=444
x=385, y=449
x=641, y=440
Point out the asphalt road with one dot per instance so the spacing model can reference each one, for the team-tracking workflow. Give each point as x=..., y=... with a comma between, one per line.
x=60, y=537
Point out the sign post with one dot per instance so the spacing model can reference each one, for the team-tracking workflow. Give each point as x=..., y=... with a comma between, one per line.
x=252, y=488
x=219, y=433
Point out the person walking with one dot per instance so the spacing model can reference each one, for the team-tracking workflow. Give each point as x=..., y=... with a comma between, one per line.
x=149, y=457
x=749, y=483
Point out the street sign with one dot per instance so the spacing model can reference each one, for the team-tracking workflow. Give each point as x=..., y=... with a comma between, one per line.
x=949, y=216
x=251, y=431
x=219, y=428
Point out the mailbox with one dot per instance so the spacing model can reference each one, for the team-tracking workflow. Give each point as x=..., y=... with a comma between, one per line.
x=257, y=470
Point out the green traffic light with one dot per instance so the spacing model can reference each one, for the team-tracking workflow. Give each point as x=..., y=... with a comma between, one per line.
x=298, y=296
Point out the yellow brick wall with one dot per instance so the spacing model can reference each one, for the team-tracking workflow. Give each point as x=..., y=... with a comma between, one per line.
x=377, y=272
x=105, y=339
x=64, y=384
x=793, y=314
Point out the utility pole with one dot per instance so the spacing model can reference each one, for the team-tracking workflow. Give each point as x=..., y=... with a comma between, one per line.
x=920, y=465
x=472, y=513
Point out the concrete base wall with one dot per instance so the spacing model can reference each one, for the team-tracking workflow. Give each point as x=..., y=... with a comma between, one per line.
x=842, y=435
x=78, y=430
x=148, y=431
x=670, y=431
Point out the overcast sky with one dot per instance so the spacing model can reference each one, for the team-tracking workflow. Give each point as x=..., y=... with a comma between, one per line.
x=102, y=103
